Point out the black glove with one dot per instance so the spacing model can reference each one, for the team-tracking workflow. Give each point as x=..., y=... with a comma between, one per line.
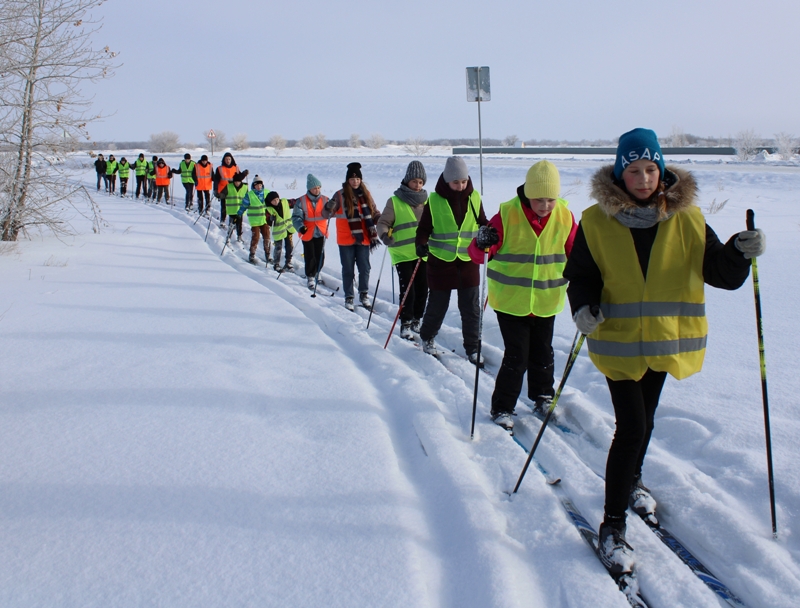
x=487, y=236
x=303, y=230
x=422, y=250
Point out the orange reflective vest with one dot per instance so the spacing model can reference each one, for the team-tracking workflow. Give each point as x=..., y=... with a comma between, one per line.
x=203, y=176
x=226, y=176
x=314, y=217
x=163, y=176
x=344, y=235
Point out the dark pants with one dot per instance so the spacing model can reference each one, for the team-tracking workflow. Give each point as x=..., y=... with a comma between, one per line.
x=203, y=194
x=257, y=231
x=151, y=188
x=417, y=297
x=123, y=186
x=352, y=256
x=635, y=406
x=189, y=194
x=141, y=185
x=312, y=255
x=111, y=183
x=162, y=190
x=468, y=306
x=279, y=246
x=102, y=177
x=528, y=348
x=223, y=211
x=236, y=220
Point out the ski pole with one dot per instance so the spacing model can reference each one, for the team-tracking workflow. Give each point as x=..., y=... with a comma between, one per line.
x=403, y=301
x=228, y=238
x=480, y=340
x=210, y=219
x=751, y=225
x=577, y=343
x=321, y=259
x=392, y=285
x=378, y=284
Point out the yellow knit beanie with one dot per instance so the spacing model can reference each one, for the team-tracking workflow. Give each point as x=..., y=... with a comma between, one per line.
x=542, y=181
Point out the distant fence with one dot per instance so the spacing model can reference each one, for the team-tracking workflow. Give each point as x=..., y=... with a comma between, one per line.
x=604, y=151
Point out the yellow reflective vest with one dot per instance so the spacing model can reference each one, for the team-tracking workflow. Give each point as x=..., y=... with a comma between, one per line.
x=404, y=232
x=234, y=198
x=657, y=322
x=526, y=275
x=281, y=226
x=449, y=241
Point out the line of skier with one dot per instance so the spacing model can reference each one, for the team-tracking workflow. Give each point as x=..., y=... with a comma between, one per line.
x=633, y=269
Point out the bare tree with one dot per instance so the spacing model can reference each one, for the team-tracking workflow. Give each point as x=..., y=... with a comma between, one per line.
x=416, y=146
x=166, y=141
x=278, y=143
x=46, y=56
x=510, y=141
x=376, y=141
x=785, y=145
x=677, y=138
x=307, y=143
x=354, y=141
x=320, y=141
x=746, y=142
x=239, y=142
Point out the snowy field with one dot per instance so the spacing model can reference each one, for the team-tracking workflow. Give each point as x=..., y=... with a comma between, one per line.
x=180, y=429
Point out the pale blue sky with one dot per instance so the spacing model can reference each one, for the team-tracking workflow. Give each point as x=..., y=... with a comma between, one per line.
x=567, y=69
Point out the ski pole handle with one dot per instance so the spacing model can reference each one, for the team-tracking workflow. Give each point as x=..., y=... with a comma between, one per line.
x=751, y=219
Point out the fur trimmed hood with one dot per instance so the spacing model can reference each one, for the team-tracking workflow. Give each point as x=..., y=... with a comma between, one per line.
x=680, y=193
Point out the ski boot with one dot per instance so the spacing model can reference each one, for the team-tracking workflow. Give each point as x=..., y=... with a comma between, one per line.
x=504, y=421
x=405, y=330
x=348, y=304
x=612, y=549
x=642, y=502
x=364, y=299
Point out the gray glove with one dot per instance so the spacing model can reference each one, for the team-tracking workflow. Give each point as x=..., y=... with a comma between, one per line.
x=752, y=243
x=585, y=321
x=387, y=239
x=487, y=236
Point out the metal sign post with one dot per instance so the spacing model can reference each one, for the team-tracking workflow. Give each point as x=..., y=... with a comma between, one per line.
x=212, y=137
x=479, y=89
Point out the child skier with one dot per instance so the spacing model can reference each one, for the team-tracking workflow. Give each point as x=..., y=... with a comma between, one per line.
x=280, y=218
x=308, y=220
x=253, y=202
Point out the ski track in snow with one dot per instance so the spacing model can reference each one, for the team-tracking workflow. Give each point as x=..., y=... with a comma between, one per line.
x=472, y=544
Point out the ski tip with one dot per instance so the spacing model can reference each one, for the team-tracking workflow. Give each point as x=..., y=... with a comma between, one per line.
x=554, y=482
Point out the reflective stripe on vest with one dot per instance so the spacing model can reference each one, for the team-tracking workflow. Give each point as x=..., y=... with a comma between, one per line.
x=140, y=166
x=404, y=232
x=203, y=176
x=282, y=226
x=162, y=175
x=658, y=322
x=234, y=198
x=256, y=212
x=526, y=274
x=124, y=170
x=226, y=176
x=448, y=241
x=186, y=172
x=314, y=217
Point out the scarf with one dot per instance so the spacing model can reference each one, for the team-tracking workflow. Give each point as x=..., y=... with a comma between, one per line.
x=407, y=195
x=641, y=217
x=362, y=211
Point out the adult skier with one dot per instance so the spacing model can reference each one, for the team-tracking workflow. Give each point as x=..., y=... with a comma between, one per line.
x=124, y=174
x=642, y=255
x=223, y=177
x=401, y=215
x=448, y=224
x=100, y=168
x=232, y=202
x=140, y=169
x=203, y=176
x=112, y=166
x=356, y=234
x=528, y=242
x=186, y=169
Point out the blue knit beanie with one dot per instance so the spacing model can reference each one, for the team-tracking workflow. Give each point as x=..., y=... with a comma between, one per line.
x=312, y=182
x=637, y=145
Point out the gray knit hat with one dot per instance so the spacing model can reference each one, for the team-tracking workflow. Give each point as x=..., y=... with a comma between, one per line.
x=415, y=171
x=312, y=182
x=454, y=169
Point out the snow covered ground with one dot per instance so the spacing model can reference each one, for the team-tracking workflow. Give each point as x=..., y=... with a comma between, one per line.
x=180, y=429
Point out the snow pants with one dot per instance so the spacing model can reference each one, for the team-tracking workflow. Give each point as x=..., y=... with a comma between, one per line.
x=635, y=404
x=312, y=255
x=141, y=185
x=352, y=256
x=279, y=247
x=189, y=194
x=468, y=306
x=528, y=348
x=417, y=297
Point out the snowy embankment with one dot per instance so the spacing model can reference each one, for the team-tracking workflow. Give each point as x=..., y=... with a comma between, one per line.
x=179, y=429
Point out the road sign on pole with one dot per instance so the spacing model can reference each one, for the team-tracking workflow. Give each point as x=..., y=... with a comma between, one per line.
x=211, y=137
x=479, y=89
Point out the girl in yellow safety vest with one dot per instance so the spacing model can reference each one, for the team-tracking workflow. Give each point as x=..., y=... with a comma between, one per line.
x=636, y=274
x=401, y=217
x=528, y=242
